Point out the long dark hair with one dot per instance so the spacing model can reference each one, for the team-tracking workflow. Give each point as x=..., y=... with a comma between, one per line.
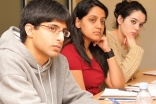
x=125, y=9
x=81, y=10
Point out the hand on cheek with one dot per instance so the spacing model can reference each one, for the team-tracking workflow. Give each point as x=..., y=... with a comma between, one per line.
x=129, y=39
x=125, y=41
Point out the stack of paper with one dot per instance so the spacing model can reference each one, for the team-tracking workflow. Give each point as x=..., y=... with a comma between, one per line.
x=116, y=93
x=151, y=88
x=129, y=94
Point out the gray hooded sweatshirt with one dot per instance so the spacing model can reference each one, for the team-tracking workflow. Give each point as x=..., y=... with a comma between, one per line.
x=24, y=81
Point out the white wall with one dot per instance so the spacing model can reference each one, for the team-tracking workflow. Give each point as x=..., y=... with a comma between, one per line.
x=148, y=33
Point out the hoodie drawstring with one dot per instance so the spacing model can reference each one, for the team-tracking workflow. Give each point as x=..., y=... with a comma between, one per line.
x=41, y=82
x=51, y=90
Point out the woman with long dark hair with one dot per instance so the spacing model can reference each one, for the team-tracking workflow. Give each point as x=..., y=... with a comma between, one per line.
x=90, y=58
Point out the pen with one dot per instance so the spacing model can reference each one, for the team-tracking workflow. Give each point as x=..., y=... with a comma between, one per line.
x=132, y=86
x=113, y=100
x=123, y=89
x=118, y=99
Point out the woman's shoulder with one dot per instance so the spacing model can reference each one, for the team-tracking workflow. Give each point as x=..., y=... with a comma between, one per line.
x=109, y=33
x=69, y=49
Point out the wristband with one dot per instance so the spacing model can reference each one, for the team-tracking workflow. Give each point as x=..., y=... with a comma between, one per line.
x=109, y=54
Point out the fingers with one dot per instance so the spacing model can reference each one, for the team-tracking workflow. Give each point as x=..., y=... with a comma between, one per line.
x=103, y=38
x=94, y=43
x=129, y=39
x=125, y=41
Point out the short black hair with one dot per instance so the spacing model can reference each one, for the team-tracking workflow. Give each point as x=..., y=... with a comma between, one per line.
x=38, y=11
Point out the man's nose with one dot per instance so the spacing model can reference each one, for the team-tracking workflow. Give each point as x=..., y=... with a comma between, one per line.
x=60, y=36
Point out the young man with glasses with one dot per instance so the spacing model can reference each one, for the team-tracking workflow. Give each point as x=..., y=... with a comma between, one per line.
x=32, y=70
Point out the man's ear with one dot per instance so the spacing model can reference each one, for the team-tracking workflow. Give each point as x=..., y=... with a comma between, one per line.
x=29, y=29
x=120, y=19
x=78, y=23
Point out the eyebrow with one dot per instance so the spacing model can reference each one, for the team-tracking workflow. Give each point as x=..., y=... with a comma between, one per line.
x=137, y=20
x=96, y=16
x=58, y=26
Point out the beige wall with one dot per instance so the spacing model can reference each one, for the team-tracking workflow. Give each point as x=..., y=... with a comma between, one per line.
x=148, y=33
x=9, y=14
x=62, y=2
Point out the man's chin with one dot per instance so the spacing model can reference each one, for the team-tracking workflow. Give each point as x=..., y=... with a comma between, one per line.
x=54, y=55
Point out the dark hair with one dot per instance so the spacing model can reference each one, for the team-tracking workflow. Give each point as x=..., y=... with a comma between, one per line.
x=38, y=11
x=125, y=8
x=81, y=10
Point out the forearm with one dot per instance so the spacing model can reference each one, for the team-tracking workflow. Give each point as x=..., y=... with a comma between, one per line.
x=115, y=77
x=132, y=61
x=115, y=74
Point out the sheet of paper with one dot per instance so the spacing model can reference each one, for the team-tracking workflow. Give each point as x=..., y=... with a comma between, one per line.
x=116, y=92
x=151, y=88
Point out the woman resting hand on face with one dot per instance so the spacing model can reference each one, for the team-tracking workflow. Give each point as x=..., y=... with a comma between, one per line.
x=90, y=58
x=130, y=18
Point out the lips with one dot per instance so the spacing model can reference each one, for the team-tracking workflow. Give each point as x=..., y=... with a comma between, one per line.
x=57, y=47
x=134, y=33
x=96, y=32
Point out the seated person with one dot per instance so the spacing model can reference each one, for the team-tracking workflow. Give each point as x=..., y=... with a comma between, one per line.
x=90, y=58
x=31, y=69
x=123, y=39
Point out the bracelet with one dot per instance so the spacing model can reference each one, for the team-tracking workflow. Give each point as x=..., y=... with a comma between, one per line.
x=109, y=54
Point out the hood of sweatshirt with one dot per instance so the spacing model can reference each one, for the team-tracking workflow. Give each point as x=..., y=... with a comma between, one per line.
x=54, y=86
x=10, y=40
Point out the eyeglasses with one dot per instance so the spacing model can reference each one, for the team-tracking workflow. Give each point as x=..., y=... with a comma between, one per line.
x=56, y=30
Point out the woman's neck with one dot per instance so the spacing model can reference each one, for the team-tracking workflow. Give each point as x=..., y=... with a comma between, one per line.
x=120, y=37
x=86, y=45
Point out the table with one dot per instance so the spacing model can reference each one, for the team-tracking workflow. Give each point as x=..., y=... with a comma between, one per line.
x=139, y=78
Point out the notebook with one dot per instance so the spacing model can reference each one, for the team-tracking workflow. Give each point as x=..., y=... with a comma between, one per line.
x=116, y=93
x=150, y=72
x=127, y=95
